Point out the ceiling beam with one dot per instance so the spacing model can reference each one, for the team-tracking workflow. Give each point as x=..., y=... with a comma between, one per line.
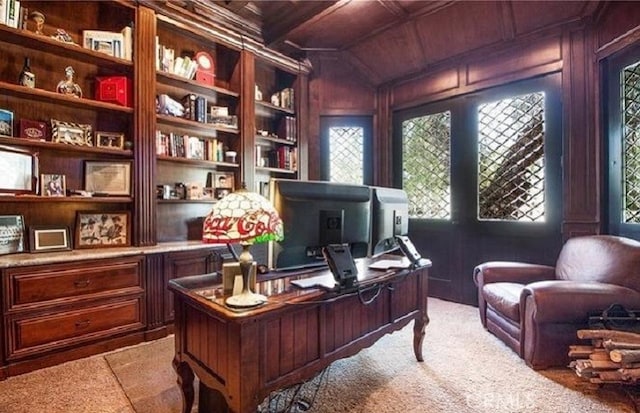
x=280, y=26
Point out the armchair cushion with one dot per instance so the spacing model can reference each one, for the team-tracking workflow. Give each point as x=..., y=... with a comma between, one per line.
x=537, y=309
x=504, y=297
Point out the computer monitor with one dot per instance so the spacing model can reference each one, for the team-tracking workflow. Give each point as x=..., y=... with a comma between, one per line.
x=389, y=217
x=316, y=214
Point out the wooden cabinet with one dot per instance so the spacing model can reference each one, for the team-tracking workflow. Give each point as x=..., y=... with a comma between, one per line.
x=182, y=264
x=276, y=125
x=198, y=152
x=54, y=309
x=55, y=306
x=73, y=123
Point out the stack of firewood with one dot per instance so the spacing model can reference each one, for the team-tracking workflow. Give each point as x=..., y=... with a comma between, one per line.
x=612, y=357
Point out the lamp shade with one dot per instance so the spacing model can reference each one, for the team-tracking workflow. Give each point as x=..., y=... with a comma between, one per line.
x=242, y=216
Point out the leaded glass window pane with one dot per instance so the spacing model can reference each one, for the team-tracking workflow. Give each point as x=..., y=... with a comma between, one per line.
x=346, y=152
x=631, y=144
x=426, y=159
x=511, y=159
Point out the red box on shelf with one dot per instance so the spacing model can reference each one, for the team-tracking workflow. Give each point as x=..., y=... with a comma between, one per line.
x=114, y=89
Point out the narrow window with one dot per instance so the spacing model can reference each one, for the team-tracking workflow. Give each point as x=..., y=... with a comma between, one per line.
x=511, y=158
x=630, y=104
x=426, y=155
x=346, y=149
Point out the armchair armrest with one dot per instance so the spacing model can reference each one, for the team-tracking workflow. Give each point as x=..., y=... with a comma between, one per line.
x=508, y=271
x=571, y=301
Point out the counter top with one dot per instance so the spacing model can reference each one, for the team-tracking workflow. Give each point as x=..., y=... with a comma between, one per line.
x=39, y=258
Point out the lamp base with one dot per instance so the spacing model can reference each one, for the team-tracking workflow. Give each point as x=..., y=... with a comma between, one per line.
x=245, y=299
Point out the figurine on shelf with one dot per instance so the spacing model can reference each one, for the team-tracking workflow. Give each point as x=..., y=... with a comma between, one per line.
x=27, y=78
x=38, y=18
x=68, y=86
x=63, y=36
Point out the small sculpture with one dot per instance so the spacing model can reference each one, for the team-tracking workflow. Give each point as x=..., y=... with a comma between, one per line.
x=68, y=86
x=38, y=18
x=62, y=36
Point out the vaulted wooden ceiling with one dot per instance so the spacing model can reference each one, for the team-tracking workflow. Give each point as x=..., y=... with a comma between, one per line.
x=390, y=39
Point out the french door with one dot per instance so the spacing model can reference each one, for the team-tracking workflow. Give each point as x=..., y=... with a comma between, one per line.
x=482, y=173
x=622, y=123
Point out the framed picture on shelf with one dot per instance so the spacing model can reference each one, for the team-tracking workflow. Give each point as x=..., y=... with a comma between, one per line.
x=6, y=123
x=98, y=229
x=224, y=181
x=17, y=168
x=70, y=133
x=11, y=234
x=49, y=238
x=53, y=185
x=110, y=140
x=108, y=177
x=222, y=192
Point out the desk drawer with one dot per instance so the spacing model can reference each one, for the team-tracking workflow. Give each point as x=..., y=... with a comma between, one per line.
x=30, y=286
x=39, y=333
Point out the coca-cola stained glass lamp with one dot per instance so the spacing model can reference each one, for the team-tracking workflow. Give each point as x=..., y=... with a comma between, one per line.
x=246, y=218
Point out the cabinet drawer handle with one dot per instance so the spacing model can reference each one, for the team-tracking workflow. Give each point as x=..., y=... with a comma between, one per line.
x=81, y=283
x=82, y=324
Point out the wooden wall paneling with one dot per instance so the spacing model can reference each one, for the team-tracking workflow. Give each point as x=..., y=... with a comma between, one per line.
x=302, y=117
x=383, y=139
x=144, y=211
x=316, y=81
x=247, y=117
x=155, y=290
x=427, y=87
x=581, y=153
x=620, y=23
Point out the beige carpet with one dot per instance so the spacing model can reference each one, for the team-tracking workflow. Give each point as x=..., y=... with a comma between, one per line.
x=465, y=370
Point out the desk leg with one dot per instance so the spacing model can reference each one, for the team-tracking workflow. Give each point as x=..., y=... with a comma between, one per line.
x=418, y=334
x=185, y=382
x=210, y=400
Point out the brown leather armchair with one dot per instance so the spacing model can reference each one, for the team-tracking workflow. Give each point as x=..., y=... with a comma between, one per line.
x=537, y=309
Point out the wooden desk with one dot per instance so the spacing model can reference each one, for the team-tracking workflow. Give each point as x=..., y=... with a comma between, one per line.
x=243, y=356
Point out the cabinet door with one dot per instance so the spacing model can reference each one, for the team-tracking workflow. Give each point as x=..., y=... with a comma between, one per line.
x=61, y=114
x=184, y=263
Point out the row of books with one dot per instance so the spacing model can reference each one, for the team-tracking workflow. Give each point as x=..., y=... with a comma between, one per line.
x=195, y=107
x=12, y=14
x=189, y=147
x=167, y=61
x=287, y=129
x=283, y=157
x=115, y=44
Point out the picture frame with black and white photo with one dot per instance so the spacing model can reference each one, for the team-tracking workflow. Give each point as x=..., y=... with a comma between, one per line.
x=223, y=184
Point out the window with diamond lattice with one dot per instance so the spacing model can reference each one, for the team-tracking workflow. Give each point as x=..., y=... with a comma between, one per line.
x=426, y=153
x=631, y=143
x=346, y=149
x=511, y=159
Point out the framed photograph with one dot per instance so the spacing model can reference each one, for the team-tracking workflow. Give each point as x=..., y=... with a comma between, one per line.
x=17, y=168
x=110, y=140
x=224, y=180
x=106, y=177
x=70, y=133
x=11, y=234
x=97, y=229
x=6, y=123
x=222, y=192
x=53, y=185
x=49, y=238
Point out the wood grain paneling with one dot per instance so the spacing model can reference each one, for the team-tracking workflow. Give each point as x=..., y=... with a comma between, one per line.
x=582, y=170
x=424, y=87
x=538, y=54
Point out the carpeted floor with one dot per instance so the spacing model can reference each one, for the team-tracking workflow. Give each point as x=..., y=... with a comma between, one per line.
x=466, y=370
